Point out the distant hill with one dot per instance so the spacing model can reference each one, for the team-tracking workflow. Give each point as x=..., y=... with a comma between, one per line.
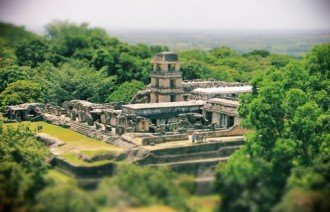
x=292, y=43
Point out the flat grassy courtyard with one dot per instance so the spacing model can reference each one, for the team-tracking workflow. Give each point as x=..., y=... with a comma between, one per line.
x=76, y=143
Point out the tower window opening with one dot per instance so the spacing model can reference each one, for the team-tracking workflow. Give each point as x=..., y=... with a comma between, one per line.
x=172, y=84
x=171, y=68
x=172, y=98
x=158, y=68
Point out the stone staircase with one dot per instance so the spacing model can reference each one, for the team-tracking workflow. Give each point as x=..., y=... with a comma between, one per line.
x=89, y=131
x=220, y=153
x=136, y=153
x=185, y=158
x=119, y=141
x=205, y=161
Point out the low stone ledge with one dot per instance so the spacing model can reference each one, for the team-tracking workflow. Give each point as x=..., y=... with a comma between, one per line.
x=100, y=157
x=163, y=138
x=84, y=171
x=49, y=140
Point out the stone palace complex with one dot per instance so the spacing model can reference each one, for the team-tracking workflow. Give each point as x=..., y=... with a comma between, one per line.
x=183, y=124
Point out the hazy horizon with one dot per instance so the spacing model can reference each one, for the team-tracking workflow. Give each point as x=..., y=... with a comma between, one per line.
x=179, y=15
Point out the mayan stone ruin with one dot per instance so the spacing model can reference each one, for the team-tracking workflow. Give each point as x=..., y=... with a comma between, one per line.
x=182, y=124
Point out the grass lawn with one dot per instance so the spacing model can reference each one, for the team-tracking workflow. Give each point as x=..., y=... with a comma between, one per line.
x=73, y=158
x=207, y=203
x=204, y=203
x=75, y=142
x=91, y=153
x=152, y=208
x=60, y=178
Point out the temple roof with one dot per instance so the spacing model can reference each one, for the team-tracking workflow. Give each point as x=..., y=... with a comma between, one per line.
x=223, y=90
x=166, y=57
x=225, y=102
x=166, y=104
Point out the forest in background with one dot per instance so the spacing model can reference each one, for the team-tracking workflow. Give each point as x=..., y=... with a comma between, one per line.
x=284, y=165
x=79, y=62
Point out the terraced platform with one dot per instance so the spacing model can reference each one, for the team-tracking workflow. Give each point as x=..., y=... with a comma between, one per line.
x=191, y=158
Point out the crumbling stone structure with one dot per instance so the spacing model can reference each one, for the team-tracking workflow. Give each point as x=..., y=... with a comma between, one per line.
x=24, y=112
x=160, y=109
x=186, y=125
x=163, y=113
x=222, y=112
x=84, y=111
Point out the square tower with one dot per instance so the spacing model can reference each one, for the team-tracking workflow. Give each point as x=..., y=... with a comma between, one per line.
x=166, y=79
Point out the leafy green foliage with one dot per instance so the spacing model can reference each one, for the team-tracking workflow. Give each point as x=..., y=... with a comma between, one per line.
x=126, y=91
x=70, y=62
x=31, y=53
x=11, y=74
x=141, y=187
x=22, y=168
x=289, y=148
x=22, y=91
x=64, y=198
x=226, y=64
x=14, y=35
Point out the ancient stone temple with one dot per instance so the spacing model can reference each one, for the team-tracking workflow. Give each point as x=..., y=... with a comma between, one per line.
x=166, y=79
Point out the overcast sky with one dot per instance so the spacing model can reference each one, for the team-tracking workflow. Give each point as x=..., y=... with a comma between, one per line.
x=172, y=14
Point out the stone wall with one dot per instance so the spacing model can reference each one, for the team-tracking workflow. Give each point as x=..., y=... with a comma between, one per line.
x=203, y=147
x=49, y=140
x=220, y=152
x=85, y=171
x=163, y=139
x=233, y=131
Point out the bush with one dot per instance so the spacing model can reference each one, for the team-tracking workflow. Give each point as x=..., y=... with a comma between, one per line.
x=126, y=91
x=140, y=186
x=64, y=198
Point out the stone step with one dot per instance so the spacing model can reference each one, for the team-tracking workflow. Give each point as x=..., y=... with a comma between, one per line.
x=136, y=153
x=191, y=162
x=88, y=131
x=80, y=129
x=221, y=152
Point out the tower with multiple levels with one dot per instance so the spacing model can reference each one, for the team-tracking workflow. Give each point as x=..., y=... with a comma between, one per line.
x=166, y=79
